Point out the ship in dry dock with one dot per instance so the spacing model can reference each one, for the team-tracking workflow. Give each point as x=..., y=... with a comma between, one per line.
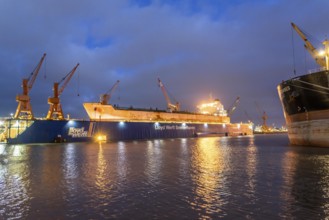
x=211, y=120
x=305, y=100
x=112, y=123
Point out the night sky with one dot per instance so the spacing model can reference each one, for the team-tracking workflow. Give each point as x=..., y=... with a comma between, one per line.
x=227, y=48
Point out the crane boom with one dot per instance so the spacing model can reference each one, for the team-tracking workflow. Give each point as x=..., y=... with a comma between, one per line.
x=55, y=108
x=170, y=106
x=34, y=74
x=320, y=59
x=105, y=98
x=233, y=107
x=67, y=79
x=24, y=105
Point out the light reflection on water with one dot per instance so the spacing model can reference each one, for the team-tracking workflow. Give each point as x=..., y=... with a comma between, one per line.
x=153, y=161
x=14, y=184
x=248, y=177
x=210, y=184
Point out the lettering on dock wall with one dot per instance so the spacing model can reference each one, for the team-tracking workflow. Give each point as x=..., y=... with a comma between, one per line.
x=173, y=127
x=77, y=132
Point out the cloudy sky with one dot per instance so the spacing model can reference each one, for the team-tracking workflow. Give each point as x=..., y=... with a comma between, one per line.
x=227, y=48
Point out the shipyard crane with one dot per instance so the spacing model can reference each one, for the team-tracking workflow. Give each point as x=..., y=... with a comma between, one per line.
x=265, y=128
x=55, y=108
x=233, y=107
x=24, y=105
x=320, y=56
x=105, y=98
x=264, y=117
x=170, y=106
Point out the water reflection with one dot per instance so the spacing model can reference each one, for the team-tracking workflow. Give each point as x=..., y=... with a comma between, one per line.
x=70, y=162
x=122, y=161
x=289, y=165
x=101, y=177
x=153, y=161
x=14, y=186
x=324, y=182
x=196, y=178
x=184, y=160
x=251, y=169
x=306, y=178
x=210, y=184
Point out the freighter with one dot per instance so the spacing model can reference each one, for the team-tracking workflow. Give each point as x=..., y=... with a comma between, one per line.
x=305, y=100
x=112, y=123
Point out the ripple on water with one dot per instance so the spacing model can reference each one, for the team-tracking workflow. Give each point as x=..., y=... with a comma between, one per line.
x=197, y=178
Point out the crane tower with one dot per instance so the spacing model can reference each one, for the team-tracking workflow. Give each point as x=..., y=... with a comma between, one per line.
x=24, y=109
x=55, y=108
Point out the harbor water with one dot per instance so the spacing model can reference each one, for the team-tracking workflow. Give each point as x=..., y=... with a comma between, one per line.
x=249, y=177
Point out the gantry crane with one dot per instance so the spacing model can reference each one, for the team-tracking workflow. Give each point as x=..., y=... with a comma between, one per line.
x=170, y=106
x=105, y=98
x=233, y=107
x=320, y=56
x=55, y=108
x=24, y=105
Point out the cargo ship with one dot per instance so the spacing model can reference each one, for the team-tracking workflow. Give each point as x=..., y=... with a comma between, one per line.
x=305, y=100
x=108, y=122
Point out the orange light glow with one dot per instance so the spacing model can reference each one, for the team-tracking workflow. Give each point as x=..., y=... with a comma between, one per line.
x=101, y=138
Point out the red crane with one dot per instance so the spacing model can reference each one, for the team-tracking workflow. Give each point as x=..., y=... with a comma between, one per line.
x=55, y=108
x=24, y=105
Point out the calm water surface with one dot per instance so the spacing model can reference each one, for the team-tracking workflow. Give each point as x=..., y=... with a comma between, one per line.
x=251, y=177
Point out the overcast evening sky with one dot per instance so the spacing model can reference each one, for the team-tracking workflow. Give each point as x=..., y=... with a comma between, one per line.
x=227, y=48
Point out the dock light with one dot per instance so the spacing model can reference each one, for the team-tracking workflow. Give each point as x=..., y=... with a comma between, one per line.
x=156, y=123
x=71, y=122
x=121, y=123
x=205, y=125
x=224, y=125
x=101, y=138
x=184, y=125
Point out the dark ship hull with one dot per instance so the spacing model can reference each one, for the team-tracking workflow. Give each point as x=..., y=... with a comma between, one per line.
x=305, y=102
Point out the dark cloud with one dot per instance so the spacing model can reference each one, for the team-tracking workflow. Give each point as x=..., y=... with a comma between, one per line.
x=241, y=48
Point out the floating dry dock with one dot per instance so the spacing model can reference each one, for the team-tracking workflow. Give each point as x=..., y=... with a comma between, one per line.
x=110, y=123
